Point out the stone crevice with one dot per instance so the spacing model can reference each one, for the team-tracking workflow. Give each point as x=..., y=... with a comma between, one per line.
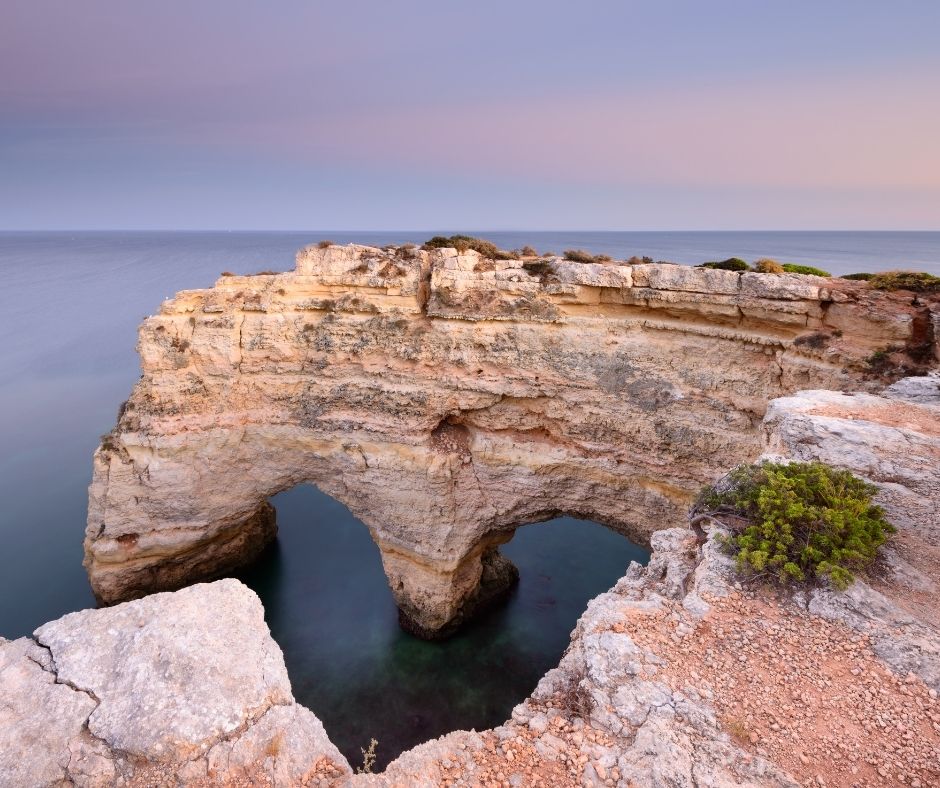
x=54, y=671
x=112, y=751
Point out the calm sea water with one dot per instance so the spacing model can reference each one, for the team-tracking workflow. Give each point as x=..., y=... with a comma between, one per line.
x=69, y=308
x=329, y=608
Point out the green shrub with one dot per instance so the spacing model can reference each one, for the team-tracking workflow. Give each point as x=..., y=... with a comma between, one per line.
x=442, y=241
x=861, y=277
x=731, y=264
x=916, y=281
x=808, y=270
x=798, y=521
x=462, y=243
x=578, y=256
x=768, y=266
x=880, y=361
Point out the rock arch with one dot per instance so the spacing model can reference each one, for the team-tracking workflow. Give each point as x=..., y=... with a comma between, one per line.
x=447, y=399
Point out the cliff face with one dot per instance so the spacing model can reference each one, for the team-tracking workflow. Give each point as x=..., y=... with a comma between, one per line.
x=679, y=675
x=447, y=399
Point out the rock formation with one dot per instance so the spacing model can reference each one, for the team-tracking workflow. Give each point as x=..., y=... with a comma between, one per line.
x=680, y=675
x=176, y=689
x=893, y=441
x=447, y=399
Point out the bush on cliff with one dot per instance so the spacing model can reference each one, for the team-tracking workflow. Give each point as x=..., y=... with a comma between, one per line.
x=915, y=281
x=462, y=243
x=797, y=521
x=808, y=270
x=731, y=264
x=860, y=277
x=766, y=265
x=579, y=256
x=540, y=268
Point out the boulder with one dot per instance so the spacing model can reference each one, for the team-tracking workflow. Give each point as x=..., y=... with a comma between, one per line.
x=187, y=683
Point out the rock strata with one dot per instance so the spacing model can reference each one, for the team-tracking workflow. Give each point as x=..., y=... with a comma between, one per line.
x=447, y=399
x=680, y=675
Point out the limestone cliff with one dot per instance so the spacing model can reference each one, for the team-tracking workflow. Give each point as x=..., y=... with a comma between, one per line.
x=446, y=399
x=680, y=675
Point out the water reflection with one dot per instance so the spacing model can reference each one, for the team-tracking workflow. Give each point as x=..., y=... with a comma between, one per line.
x=329, y=608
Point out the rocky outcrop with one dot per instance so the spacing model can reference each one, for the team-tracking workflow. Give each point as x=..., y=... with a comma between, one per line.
x=680, y=675
x=447, y=399
x=677, y=676
x=893, y=441
x=183, y=688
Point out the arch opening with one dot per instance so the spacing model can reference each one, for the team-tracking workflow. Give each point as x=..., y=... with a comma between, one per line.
x=326, y=598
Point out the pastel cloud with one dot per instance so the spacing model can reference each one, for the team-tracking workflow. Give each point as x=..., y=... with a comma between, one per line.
x=825, y=116
x=864, y=133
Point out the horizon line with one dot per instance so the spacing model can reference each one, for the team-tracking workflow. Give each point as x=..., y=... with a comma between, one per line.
x=439, y=231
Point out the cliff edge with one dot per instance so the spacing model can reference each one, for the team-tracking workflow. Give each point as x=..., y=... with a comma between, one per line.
x=680, y=675
x=447, y=398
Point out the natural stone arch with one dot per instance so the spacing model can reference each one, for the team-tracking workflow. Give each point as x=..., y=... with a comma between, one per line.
x=445, y=400
x=428, y=509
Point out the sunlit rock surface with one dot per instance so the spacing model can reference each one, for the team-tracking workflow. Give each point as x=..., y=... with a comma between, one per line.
x=178, y=688
x=680, y=675
x=447, y=399
x=893, y=441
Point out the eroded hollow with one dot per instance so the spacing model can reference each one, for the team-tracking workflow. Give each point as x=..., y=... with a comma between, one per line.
x=330, y=609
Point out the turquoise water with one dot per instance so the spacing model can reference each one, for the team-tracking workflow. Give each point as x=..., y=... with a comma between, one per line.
x=69, y=308
x=330, y=610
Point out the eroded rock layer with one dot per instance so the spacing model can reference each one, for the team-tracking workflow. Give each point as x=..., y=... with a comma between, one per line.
x=681, y=675
x=446, y=399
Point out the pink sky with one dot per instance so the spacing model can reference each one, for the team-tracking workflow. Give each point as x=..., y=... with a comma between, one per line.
x=614, y=115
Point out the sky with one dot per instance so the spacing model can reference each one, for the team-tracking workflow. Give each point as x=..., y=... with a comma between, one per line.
x=518, y=114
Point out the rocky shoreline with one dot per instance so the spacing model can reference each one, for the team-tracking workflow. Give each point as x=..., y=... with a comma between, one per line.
x=679, y=675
